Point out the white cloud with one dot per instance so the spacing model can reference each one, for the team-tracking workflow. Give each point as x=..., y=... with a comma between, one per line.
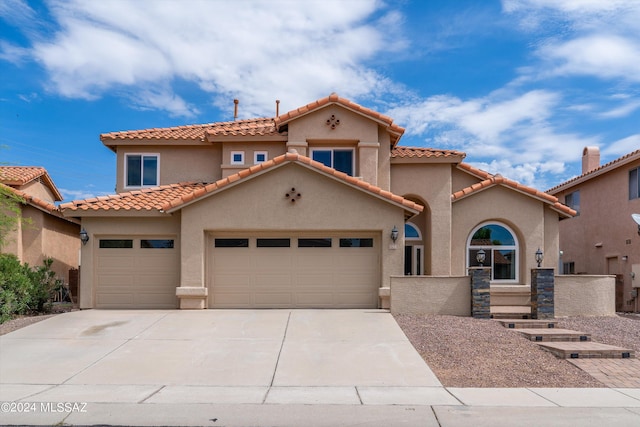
x=622, y=111
x=255, y=51
x=603, y=56
x=623, y=146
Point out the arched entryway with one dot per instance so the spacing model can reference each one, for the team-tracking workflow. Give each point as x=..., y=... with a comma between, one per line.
x=417, y=241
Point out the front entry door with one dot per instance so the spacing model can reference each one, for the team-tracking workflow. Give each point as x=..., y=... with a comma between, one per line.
x=413, y=255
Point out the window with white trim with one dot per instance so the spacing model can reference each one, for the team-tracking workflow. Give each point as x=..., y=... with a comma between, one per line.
x=142, y=170
x=500, y=247
x=340, y=159
x=260, y=157
x=411, y=232
x=237, y=157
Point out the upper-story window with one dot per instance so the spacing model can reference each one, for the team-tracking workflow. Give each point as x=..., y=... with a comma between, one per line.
x=634, y=183
x=142, y=170
x=341, y=159
x=260, y=157
x=237, y=157
x=573, y=201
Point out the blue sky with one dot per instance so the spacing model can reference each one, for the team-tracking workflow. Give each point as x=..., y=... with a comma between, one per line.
x=521, y=86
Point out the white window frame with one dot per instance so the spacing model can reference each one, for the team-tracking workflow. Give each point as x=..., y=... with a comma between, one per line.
x=126, y=170
x=515, y=248
x=332, y=149
x=257, y=153
x=414, y=239
x=241, y=162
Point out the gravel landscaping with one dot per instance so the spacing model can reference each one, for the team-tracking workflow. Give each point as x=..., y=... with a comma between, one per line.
x=467, y=352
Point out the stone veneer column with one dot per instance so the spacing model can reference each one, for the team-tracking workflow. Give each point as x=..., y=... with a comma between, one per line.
x=542, y=301
x=480, y=292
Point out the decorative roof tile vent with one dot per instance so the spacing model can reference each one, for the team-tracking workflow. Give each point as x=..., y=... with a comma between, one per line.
x=333, y=122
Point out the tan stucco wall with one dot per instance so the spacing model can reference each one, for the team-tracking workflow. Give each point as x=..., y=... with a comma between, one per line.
x=582, y=295
x=432, y=184
x=598, y=239
x=118, y=227
x=461, y=179
x=431, y=295
x=524, y=215
x=273, y=149
x=177, y=164
x=45, y=236
x=259, y=204
x=39, y=190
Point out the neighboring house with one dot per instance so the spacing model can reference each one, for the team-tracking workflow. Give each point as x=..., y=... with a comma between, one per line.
x=602, y=238
x=44, y=233
x=299, y=210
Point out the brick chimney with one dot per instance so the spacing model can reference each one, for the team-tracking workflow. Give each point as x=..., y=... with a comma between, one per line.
x=590, y=159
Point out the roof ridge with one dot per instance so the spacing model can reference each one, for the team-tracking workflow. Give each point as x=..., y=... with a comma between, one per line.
x=598, y=169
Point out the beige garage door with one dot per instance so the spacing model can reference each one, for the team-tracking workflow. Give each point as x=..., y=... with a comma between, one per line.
x=137, y=273
x=285, y=271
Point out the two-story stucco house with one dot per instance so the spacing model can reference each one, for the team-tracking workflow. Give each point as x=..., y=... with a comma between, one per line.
x=602, y=238
x=318, y=207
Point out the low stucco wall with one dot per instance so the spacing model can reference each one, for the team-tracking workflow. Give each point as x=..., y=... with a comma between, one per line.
x=582, y=295
x=431, y=295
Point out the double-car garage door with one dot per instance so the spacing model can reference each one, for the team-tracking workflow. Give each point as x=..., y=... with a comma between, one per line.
x=294, y=271
x=285, y=270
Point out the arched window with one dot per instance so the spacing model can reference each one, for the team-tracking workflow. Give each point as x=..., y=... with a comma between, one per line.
x=500, y=246
x=411, y=232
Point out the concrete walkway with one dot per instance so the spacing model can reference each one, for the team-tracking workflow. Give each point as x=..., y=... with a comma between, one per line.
x=259, y=367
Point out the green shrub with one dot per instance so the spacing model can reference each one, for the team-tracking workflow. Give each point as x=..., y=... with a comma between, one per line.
x=24, y=289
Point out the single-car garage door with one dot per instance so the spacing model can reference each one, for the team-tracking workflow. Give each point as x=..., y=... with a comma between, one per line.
x=294, y=271
x=137, y=273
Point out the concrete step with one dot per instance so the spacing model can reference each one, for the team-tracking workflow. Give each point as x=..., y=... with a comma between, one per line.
x=528, y=323
x=554, y=335
x=510, y=311
x=587, y=350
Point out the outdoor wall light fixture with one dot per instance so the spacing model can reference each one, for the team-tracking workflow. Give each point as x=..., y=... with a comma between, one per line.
x=84, y=236
x=480, y=257
x=539, y=257
x=394, y=234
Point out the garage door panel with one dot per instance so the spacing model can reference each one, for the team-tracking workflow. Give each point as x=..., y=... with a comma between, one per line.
x=115, y=262
x=136, y=276
x=289, y=277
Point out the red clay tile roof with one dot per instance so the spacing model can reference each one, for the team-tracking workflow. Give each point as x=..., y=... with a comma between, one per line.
x=169, y=198
x=490, y=180
x=146, y=199
x=421, y=152
x=250, y=127
x=261, y=126
x=37, y=203
x=395, y=130
x=634, y=155
x=22, y=175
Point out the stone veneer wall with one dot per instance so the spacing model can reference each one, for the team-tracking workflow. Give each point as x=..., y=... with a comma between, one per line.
x=542, y=293
x=480, y=292
x=430, y=295
x=585, y=295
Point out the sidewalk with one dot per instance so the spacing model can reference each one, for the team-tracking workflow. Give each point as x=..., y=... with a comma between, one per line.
x=318, y=406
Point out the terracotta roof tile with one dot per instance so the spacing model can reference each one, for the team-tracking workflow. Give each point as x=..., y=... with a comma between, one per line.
x=36, y=202
x=21, y=175
x=634, y=155
x=395, y=130
x=420, y=152
x=171, y=197
x=490, y=180
x=147, y=199
x=251, y=127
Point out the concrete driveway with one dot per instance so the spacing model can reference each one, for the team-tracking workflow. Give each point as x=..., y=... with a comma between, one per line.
x=217, y=356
